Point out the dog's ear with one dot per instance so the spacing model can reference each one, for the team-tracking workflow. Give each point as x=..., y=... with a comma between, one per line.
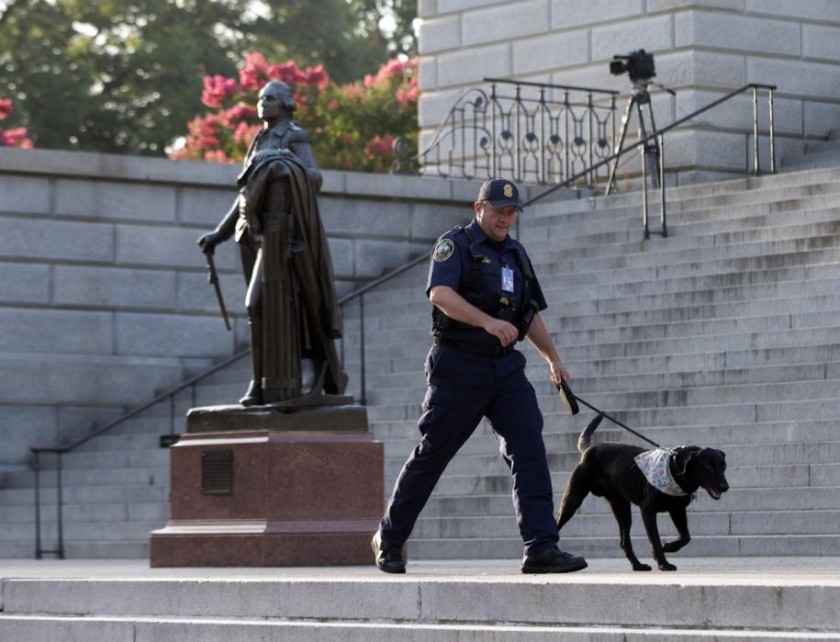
x=690, y=453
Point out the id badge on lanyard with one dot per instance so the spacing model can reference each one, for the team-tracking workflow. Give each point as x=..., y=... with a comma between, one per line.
x=507, y=280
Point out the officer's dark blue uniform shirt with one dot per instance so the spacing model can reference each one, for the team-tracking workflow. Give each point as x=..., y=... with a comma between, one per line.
x=500, y=267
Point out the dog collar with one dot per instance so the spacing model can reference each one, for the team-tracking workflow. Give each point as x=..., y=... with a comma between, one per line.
x=655, y=465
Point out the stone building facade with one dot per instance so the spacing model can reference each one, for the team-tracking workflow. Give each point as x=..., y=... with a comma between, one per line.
x=703, y=50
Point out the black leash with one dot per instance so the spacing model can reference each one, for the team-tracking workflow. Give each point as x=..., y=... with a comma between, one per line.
x=570, y=400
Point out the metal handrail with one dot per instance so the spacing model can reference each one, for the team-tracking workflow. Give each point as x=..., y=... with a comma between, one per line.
x=360, y=293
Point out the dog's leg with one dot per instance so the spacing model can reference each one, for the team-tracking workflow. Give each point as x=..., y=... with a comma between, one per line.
x=621, y=510
x=680, y=519
x=649, y=518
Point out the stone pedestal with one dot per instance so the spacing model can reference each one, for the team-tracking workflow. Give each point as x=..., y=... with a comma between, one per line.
x=268, y=487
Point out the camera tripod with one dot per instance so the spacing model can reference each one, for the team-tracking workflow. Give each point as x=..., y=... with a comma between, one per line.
x=652, y=166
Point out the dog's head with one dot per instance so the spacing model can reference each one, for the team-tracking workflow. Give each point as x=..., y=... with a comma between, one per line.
x=706, y=467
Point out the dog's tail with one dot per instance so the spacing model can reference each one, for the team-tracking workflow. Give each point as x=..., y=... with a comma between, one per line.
x=583, y=440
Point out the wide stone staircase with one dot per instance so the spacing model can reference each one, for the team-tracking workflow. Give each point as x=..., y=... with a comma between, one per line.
x=726, y=334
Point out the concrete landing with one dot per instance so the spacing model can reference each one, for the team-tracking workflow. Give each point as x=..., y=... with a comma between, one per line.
x=710, y=598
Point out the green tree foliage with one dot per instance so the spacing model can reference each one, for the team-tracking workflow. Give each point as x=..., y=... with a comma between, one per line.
x=125, y=75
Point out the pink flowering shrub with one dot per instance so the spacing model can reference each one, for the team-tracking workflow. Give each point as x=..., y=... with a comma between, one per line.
x=15, y=137
x=352, y=126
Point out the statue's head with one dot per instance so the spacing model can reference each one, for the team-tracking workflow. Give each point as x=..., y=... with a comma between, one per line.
x=275, y=100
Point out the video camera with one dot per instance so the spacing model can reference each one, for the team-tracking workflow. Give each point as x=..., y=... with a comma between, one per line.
x=638, y=65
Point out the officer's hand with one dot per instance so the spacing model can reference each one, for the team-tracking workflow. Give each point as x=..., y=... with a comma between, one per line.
x=505, y=332
x=208, y=242
x=559, y=372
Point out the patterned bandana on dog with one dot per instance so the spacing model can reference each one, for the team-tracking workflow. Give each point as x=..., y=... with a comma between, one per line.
x=655, y=466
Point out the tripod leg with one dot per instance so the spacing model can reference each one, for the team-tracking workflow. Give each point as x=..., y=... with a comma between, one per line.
x=625, y=121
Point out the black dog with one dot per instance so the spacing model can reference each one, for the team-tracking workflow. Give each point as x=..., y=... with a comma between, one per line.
x=610, y=470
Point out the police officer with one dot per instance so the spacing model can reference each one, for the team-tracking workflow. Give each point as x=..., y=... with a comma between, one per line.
x=485, y=298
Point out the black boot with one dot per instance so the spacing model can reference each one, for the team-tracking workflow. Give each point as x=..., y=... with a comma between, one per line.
x=254, y=395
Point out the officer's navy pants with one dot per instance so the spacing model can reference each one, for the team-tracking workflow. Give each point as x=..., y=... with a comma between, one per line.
x=463, y=388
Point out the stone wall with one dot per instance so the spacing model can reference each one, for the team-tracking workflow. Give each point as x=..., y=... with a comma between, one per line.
x=104, y=299
x=703, y=50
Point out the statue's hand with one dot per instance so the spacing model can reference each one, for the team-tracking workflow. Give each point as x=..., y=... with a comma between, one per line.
x=208, y=242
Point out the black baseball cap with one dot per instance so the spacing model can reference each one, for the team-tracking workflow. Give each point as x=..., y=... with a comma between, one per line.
x=500, y=192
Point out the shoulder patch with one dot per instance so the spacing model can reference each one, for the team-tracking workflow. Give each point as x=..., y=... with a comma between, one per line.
x=443, y=250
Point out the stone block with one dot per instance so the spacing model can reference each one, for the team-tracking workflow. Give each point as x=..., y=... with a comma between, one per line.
x=439, y=34
x=550, y=52
x=427, y=74
x=24, y=194
x=60, y=331
x=737, y=33
x=58, y=240
x=426, y=8
x=157, y=245
x=469, y=66
x=821, y=42
x=70, y=380
x=510, y=21
x=434, y=108
x=380, y=219
x=809, y=80
x=127, y=201
x=24, y=283
x=160, y=335
x=22, y=426
x=820, y=119
x=704, y=68
x=113, y=287
x=652, y=34
x=374, y=258
x=341, y=251
x=455, y=6
x=195, y=294
x=428, y=222
x=566, y=14
x=657, y=6
x=824, y=11
x=204, y=206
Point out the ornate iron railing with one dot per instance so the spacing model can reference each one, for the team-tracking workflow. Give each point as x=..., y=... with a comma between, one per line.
x=540, y=133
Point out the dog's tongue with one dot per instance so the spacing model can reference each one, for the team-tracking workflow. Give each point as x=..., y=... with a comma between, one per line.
x=713, y=494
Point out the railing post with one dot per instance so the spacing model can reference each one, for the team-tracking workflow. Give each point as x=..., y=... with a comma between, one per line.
x=756, y=161
x=772, y=132
x=60, y=507
x=662, y=184
x=493, y=157
x=362, y=382
x=37, y=466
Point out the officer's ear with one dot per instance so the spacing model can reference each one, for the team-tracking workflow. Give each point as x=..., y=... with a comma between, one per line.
x=478, y=206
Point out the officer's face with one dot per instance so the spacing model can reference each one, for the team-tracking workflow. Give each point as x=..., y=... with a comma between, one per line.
x=495, y=223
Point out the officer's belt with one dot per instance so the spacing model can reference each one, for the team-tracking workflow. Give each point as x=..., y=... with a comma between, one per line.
x=493, y=352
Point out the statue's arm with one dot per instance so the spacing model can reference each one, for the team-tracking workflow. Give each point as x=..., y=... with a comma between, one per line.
x=224, y=230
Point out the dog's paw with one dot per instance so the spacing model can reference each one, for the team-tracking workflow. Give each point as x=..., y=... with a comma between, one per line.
x=672, y=547
x=641, y=567
x=667, y=566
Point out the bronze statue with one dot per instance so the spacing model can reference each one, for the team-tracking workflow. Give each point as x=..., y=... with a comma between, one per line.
x=291, y=302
